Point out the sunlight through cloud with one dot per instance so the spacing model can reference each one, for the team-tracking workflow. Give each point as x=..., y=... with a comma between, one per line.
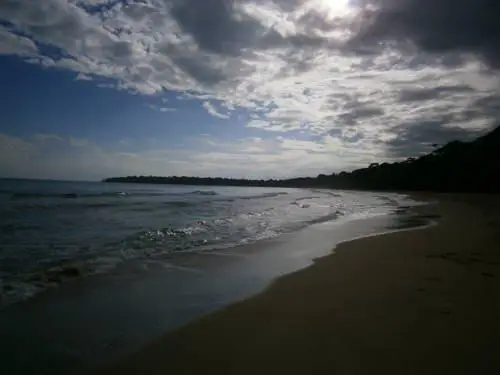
x=323, y=69
x=335, y=8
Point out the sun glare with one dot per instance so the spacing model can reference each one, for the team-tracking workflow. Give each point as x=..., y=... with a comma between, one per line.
x=336, y=8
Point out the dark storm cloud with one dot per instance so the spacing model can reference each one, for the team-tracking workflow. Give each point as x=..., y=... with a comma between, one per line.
x=435, y=25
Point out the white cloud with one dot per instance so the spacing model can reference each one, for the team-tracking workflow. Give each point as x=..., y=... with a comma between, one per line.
x=12, y=44
x=56, y=157
x=167, y=109
x=83, y=77
x=213, y=111
x=284, y=61
x=159, y=108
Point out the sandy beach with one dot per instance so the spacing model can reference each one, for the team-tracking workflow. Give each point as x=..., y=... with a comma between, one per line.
x=413, y=302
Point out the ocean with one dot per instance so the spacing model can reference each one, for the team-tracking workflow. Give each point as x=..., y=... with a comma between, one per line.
x=95, y=269
x=53, y=230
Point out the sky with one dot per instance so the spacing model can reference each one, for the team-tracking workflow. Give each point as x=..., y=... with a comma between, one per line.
x=240, y=88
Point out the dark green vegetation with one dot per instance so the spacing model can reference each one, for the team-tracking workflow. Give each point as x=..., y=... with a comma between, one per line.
x=456, y=167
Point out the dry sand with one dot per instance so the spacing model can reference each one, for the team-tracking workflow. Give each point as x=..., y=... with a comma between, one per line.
x=414, y=302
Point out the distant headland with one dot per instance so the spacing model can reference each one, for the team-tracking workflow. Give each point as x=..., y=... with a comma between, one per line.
x=455, y=167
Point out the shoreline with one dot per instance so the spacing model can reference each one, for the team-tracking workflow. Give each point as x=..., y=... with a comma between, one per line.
x=93, y=320
x=36, y=281
x=396, y=302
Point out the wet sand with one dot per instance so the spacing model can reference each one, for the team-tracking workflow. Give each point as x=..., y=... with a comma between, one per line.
x=413, y=302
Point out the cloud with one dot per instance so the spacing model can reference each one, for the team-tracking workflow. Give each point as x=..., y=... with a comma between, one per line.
x=12, y=44
x=51, y=156
x=213, y=111
x=462, y=26
x=160, y=108
x=368, y=76
x=437, y=92
x=416, y=139
x=167, y=109
x=83, y=77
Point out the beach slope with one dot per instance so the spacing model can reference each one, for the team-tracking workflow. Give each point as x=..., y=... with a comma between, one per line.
x=413, y=302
